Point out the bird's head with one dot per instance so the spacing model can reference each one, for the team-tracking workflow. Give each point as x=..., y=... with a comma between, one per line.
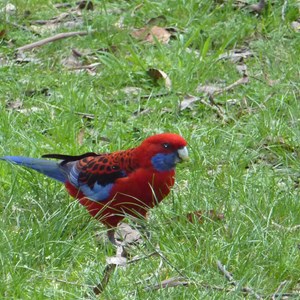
x=162, y=151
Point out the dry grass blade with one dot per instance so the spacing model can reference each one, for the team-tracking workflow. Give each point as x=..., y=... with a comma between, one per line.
x=279, y=289
x=112, y=262
x=51, y=39
x=230, y=278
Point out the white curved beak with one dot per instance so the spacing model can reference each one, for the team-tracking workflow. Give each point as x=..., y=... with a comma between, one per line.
x=183, y=153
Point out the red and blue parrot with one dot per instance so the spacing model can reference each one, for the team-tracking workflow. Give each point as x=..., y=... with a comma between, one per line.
x=113, y=185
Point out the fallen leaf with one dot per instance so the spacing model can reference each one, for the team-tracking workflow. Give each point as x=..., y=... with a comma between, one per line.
x=171, y=282
x=257, y=8
x=128, y=234
x=208, y=89
x=199, y=216
x=80, y=136
x=72, y=61
x=62, y=5
x=22, y=58
x=28, y=111
x=150, y=34
x=236, y=55
x=17, y=104
x=188, y=101
x=117, y=260
x=132, y=90
x=9, y=9
x=157, y=74
x=296, y=25
x=242, y=69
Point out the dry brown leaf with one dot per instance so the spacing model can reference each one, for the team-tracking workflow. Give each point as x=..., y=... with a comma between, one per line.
x=199, y=216
x=150, y=34
x=157, y=74
x=2, y=33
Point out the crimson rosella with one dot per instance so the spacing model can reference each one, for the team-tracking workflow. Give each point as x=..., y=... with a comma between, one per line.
x=113, y=185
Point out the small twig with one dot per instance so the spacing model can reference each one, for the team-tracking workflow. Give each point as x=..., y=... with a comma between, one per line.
x=99, y=288
x=230, y=278
x=243, y=80
x=283, y=10
x=136, y=8
x=290, y=229
x=220, y=111
x=137, y=258
x=52, y=39
x=153, y=275
x=172, y=282
x=85, y=67
x=279, y=289
x=168, y=262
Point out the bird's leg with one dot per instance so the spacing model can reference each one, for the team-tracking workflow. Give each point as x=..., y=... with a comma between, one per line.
x=121, y=251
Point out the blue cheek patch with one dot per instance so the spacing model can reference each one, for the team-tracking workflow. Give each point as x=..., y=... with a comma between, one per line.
x=164, y=162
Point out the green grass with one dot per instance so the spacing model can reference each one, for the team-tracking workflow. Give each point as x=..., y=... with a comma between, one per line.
x=246, y=167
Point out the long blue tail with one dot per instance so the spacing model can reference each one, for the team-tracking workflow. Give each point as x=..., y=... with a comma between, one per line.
x=47, y=167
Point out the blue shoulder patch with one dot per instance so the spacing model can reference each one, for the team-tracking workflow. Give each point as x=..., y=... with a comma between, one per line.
x=98, y=192
x=95, y=192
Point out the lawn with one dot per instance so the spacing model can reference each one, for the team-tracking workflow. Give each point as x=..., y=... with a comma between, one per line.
x=220, y=74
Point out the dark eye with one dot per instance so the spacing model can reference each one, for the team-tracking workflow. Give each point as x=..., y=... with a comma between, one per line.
x=166, y=145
